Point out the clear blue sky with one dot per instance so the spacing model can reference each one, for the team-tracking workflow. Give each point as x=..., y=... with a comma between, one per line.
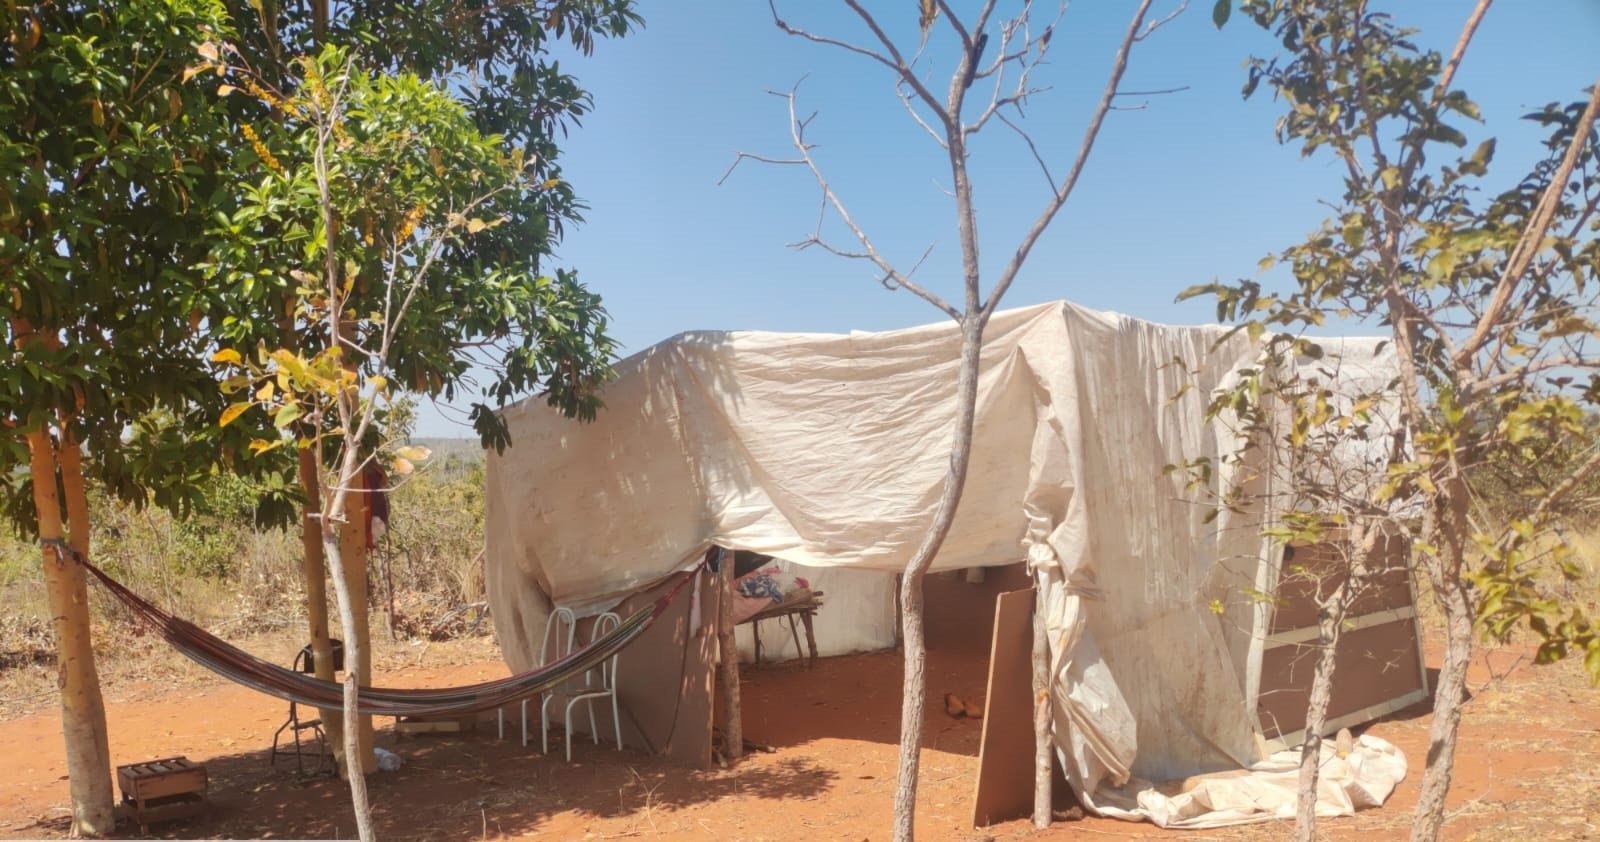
x=1191, y=188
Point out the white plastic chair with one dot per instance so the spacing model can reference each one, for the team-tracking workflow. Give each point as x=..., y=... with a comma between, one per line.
x=552, y=637
x=603, y=624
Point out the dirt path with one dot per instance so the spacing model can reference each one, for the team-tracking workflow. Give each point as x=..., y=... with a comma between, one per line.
x=1529, y=767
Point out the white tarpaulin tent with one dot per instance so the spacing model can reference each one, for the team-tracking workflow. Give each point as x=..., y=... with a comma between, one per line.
x=831, y=450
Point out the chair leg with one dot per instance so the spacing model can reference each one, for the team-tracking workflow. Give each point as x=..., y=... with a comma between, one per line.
x=569, y=729
x=616, y=719
x=594, y=724
x=544, y=725
x=524, y=723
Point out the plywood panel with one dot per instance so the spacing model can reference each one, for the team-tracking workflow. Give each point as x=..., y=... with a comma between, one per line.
x=1005, y=755
x=1375, y=664
x=1308, y=567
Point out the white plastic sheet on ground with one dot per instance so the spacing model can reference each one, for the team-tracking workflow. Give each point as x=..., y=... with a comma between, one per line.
x=831, y=451
x=1266, y=790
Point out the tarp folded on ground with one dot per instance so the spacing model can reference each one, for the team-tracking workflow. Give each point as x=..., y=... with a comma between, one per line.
x=831, y=451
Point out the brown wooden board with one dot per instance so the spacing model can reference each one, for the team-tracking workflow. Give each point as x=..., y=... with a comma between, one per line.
x=1374, y=665
x=1005, y=753
x=1305, y=566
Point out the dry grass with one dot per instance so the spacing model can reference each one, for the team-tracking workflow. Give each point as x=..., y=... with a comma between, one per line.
x=244, y=584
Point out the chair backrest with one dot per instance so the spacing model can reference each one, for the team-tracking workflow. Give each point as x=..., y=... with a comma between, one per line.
x=553, y=636
x=603, y=625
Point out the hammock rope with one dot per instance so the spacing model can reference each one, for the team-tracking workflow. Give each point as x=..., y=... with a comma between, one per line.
x=239, y=666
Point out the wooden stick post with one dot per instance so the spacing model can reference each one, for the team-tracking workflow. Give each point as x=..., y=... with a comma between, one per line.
x=734, y=728
x=1042, y=796
x=315, y=571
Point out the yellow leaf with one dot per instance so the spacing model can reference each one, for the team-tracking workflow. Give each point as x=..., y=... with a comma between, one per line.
x=224, y=90
x=403, y=466
x=232, y=413
x=414, y=453
x=549, y=183
x=226, y=355
x=378, y=381
x=265, y=392
x=208, y=51
x=191, y=71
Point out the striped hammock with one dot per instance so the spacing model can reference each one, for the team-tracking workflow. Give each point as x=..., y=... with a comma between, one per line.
x=237, y=665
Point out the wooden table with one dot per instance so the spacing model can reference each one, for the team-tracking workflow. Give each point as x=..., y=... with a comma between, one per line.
x=805, y=609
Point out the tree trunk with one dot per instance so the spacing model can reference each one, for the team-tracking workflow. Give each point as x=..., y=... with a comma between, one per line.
x=915, y=686
x=733, y=729
x=1444, y=574
x=357, y=636
x=1330, y=620
x=1043, y=798
x=83, y=714
x=353, y=675
x=317, y=590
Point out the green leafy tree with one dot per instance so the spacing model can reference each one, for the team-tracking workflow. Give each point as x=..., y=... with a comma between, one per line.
x=109, y=159
x=1489, y=298
x=496, y=60
x=375, y=181
x=491, y=336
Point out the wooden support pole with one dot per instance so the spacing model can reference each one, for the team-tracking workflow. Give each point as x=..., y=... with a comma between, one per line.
x=734, y=727
x=1042, y=795
x=315, y=574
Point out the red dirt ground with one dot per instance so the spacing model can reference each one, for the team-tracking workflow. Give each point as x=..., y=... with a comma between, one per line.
x=1529, y=765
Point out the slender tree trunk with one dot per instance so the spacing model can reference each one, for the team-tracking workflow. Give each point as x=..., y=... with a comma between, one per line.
x=353, y=557
x=1330, y=619
x=1444, y=574
x=1043, y=798
x=353, y=675
x=915, y=687
x=733, y=729
x=70, y=460
x=83, y=714
x=317, y=592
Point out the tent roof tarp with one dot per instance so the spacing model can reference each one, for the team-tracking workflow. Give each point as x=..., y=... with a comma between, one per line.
x=832, y=449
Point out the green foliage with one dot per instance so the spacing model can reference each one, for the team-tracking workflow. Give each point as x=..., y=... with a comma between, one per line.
x=504, y=313
x=408, y=184
x=110, y=156
x=1489, y=296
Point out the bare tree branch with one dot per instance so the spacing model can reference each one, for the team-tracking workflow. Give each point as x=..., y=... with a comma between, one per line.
x=891, y=277
x=1533, y=235
x=1120, y=66
x=1157, y=24
x=894, y=61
